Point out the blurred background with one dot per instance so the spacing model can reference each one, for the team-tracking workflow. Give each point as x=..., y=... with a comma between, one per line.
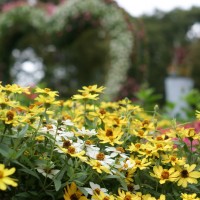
x=65, y=44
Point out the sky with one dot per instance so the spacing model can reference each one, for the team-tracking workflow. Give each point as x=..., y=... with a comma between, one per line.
x=139, y=7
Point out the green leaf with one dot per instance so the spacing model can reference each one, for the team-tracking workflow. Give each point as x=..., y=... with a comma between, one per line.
x=23, y=131
x=5, y=150
x=57, y=184
x=31, y=172
x=26, y=194
x=61, y=173
x=17, y=154
x=70, y=171
x=194, y=188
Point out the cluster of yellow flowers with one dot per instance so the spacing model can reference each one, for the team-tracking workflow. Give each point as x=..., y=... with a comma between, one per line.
x=108, y=140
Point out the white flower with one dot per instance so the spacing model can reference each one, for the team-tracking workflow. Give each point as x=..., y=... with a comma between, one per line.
x=49, y=128
x=64, y=135
x=50, y=173
x=87, y=132
x=125, y=164
x=95, y=188
x=115, y=152
x=92, y=151
x=68, y=122
x=79, y=145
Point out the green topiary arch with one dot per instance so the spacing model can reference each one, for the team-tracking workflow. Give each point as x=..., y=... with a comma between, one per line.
x=30, y=20
x=113, y=21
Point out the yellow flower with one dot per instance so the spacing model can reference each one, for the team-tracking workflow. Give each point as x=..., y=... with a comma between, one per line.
x=148, y=150
x=73, y=192
x=9, y=117
x=46, y=91
x=141, y=163
x=74, y=152
x=185, y=196
x=47, y=101
x=92, y=89
x=98, y=166
x=145, y=196
x=162, y=197
x=126, y=195
x=110, y=135
x=191, y=134
x=5, y=102
x=164, y=174
x=173, y=159
x=40, y=138
x=129, y=175
x=134, y=147
x=4, y=179
x=14, y=88
x=188, y=175
x=85, y=96
x=102, y=196
x=198, y=114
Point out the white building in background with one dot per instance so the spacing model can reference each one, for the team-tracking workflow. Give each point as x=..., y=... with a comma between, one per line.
x=176, y=88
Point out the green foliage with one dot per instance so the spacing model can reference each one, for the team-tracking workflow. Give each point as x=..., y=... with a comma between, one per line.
x=162, y=32
x=147, y=98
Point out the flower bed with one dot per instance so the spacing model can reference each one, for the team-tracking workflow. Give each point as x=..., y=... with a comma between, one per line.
x=85, y=148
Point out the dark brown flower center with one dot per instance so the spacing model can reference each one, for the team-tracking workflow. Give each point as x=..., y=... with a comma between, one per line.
x=130, y=188
x=88, y=142
x=165, y=175
x=49, y=126
x=109, y=132
x=138, y=162
x=10, y=115
x=184, y=174
x=173, y=158
x=121, y=149
x=97, y=191
x=71, y=149
x=159, y=146
x=137, y=145
x=145, y=123
x=74, y=197
x=140, y=132
x=102, y=111
x=159, y=138
x=100, y=156
x=128, y=197
x=66, y=144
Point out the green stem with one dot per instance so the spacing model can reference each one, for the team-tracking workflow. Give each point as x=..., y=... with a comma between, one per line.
x=4, y=132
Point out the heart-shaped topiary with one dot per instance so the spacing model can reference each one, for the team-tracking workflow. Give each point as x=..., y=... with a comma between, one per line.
x=92, y=31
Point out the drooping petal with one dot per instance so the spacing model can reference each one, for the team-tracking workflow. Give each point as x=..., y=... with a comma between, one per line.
x=2, y=185
x=9, y=181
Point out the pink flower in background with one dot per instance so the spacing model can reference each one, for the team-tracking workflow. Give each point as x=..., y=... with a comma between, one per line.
x=8, y=6
x=50, y=8
x=195, y=125
x=194, y=144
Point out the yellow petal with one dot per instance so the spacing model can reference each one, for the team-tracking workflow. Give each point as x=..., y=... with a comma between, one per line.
x=2, y=185
x=192, y=180
x=9, y=181
x=194, y=174
x=191, y=168
x=8, y=172
x=2, y=167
